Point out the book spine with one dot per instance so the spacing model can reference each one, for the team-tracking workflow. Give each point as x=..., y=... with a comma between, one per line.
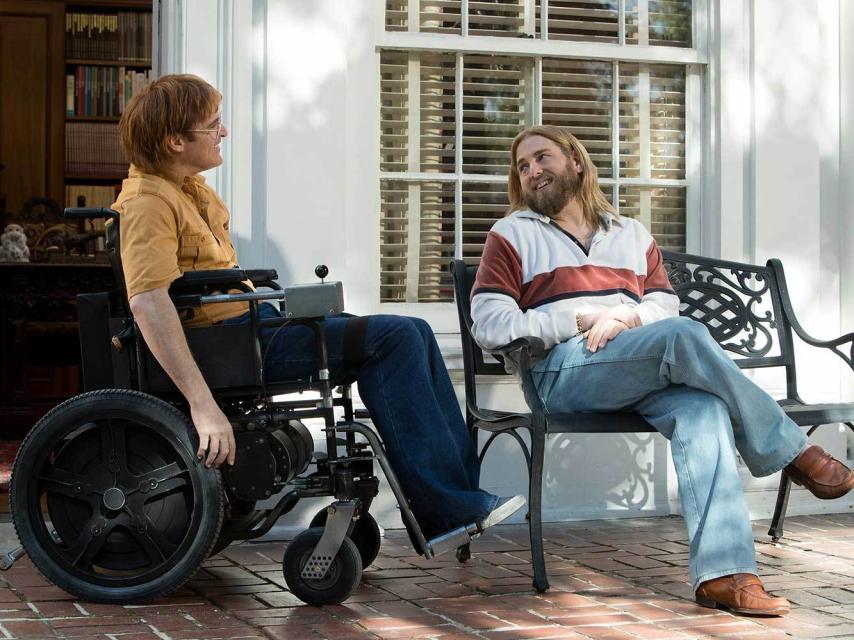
x=69, y=95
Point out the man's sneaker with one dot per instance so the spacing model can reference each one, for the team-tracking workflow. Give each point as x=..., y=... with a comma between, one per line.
x=505, y=508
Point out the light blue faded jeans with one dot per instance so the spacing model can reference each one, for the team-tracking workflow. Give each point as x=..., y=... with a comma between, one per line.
x=676, y=376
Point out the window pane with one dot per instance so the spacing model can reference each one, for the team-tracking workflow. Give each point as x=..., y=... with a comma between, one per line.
x=668, y=23
x=652, y=121
x=435, y=135
x=394, y=104
x=577, y=95
x=660, y=209
x=495, y=100
x=396, y=18
x=394, y=209
x=435, y=283
x=587, y=20
x=667, y=121
x=438, y=96
x=440, y=16
x=630, y=122
x=483, y=204
x=415, y=269
x=496, y=17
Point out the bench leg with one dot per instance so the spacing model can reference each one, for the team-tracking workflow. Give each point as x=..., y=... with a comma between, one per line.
x=535, y=499
x=776, y=530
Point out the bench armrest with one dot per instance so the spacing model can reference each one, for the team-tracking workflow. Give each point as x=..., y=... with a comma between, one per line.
x=789, y=312
x=533, y=345
x=521, y=350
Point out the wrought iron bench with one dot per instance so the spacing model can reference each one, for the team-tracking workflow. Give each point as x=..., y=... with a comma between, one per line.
x=746, y=309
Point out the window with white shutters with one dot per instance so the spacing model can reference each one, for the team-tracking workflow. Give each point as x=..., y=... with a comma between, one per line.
x=459, y=80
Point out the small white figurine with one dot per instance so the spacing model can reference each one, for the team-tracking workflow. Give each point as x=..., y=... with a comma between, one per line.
x=13, y=244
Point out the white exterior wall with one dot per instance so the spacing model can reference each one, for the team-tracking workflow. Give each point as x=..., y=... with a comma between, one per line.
x=302, y=178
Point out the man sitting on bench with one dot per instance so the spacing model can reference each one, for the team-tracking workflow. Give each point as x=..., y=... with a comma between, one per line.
x=564, y=267
x=172, y=222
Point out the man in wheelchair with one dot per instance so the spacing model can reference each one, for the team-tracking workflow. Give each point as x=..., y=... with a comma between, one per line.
x=172, y=223
x=112, y=498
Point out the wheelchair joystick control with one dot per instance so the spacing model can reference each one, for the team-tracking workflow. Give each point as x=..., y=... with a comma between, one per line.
x=315, y=300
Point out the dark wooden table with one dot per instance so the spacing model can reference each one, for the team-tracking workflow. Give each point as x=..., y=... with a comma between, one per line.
x=39, y=350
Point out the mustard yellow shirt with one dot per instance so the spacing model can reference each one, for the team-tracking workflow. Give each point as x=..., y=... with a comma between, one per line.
x=169, y=225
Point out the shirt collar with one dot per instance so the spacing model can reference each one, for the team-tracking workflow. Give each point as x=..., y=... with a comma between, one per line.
x=176, y=179
x=606, y=218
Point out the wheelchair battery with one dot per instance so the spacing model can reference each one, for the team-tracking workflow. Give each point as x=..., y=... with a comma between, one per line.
x=314, y=300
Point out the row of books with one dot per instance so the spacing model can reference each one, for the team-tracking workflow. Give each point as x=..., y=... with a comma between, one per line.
x=102, y=91
x=124, y=36
x=92, y=150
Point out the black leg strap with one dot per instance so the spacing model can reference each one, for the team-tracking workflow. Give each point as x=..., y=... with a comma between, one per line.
x=353, y=347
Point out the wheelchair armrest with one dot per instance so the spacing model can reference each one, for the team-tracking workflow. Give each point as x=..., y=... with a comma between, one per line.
x=263, y=277
x=196, y=280
x=89, y=213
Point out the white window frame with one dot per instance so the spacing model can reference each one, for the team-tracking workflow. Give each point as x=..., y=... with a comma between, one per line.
x=442, y=316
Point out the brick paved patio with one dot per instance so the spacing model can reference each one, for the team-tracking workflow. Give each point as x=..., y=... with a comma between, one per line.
x=610, y=579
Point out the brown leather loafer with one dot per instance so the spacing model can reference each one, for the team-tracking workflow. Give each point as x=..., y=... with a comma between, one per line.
x=741, y=593
x=822, y=474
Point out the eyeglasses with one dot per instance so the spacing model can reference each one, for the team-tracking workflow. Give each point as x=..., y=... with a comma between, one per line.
x=217, y=130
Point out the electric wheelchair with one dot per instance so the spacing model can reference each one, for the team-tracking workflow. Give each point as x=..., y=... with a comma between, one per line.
x=108, y=498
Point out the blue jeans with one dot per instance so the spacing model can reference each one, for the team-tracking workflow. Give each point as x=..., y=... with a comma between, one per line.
x=405, y=386
x=676, y=376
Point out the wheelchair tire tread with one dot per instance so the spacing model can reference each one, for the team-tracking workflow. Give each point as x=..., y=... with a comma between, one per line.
x=143, y=401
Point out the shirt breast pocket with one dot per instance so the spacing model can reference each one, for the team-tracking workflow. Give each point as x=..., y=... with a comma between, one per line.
x=192, y=247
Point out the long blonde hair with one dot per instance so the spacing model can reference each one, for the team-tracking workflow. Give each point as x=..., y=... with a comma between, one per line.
x=593, y=201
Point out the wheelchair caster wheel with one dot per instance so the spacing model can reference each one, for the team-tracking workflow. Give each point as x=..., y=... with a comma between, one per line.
x=340, y=580
x=109, y=501
x=463, y=552
x=366, y=535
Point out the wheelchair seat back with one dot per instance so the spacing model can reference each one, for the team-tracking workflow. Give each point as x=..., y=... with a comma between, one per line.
x=115, y=355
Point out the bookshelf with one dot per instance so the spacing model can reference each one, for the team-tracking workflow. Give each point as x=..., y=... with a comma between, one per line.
x=55, y=154
x=108, y=47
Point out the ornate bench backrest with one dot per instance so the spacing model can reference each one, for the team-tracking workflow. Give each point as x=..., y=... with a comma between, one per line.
x=739, y=304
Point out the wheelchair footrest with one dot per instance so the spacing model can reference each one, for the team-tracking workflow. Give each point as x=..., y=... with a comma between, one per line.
x=451, y=540
x=10, y=557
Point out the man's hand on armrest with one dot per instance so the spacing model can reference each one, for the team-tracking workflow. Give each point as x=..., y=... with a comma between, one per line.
x=158, y=320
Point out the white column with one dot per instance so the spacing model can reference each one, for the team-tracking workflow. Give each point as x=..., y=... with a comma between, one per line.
x=730, y=106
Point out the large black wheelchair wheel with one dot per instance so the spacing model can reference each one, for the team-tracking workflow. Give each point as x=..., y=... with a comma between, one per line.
x=109, y=500
x=336, y=584
x=365, y=534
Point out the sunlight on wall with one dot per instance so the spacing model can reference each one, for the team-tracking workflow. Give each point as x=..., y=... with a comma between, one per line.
x=306, y=45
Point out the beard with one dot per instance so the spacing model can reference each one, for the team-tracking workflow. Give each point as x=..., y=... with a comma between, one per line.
x=551, y=199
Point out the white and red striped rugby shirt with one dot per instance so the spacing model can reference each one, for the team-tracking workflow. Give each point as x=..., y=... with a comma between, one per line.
x=534, y=277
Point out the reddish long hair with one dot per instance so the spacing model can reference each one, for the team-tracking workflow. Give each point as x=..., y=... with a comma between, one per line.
x=170, y=105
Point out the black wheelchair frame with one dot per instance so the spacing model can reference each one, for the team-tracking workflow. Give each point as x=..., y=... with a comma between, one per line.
x=109, y=500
